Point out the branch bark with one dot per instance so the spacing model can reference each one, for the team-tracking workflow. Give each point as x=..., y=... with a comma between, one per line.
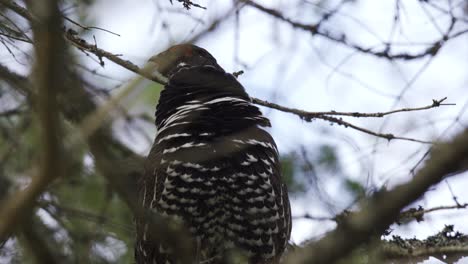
x=447, y=244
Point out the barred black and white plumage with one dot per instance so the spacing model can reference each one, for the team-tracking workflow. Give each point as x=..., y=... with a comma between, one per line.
x=213, y=166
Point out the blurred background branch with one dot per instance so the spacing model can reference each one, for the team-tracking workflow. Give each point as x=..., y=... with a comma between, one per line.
x=48, y=79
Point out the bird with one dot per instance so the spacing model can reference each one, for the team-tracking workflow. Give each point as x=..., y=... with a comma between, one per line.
x=212, y=166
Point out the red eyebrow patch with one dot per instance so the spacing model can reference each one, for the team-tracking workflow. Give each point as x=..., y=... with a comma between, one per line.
x=188, y=52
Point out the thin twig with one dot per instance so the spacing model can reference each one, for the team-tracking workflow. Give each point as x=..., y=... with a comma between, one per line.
x=89, y=27
x=418, y=214
x=81, y=44
x=149, y=73
x=311, y=115
x=387, y=136
x=15, y=38
x=315, y=29
x=187, y=4
x=314, y=218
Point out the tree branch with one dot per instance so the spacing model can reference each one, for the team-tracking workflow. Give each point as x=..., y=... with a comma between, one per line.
x=447, y=242
x=410, y=214
x=310, y=115
x=418, y=214
x=149, y=72
x=81, y=44
x=315, y=29
x=119, y=165
x=381, y=210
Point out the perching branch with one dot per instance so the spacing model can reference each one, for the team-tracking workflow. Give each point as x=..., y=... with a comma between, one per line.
x=81, y=44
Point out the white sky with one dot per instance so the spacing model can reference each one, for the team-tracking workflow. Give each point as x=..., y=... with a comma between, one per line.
x=297, y=70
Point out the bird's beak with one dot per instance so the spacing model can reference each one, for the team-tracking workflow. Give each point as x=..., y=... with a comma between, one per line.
x=152, y=72
x=155, y=64
x=164, y=61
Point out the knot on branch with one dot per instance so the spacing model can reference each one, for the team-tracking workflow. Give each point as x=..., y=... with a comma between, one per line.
x=238, y=73
x=437, y=103
x=434, y=49
x=412, y=213
x=388, y=136
x=446, y=237
x=188, y=4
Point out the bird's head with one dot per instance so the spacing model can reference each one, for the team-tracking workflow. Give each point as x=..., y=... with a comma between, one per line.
x=184, y=55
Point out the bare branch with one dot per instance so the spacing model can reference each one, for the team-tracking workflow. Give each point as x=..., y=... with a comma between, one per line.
x=313, y=217
x=89, y=27
x=370, y=132
x=188, y=4
x=309, y=116
x=315, y=29
x=147, y=72
x=82, y=44
x=418, y=214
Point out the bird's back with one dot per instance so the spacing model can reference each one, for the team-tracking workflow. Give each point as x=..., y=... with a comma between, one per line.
x=214, y=167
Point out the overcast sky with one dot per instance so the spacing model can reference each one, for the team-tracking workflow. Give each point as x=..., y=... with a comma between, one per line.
x=298, y=70
x=295, y=69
